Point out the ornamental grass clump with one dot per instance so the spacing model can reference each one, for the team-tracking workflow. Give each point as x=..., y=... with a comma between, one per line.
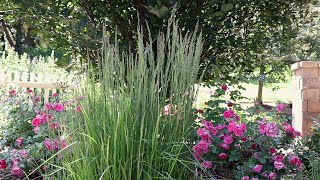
x=138, y=113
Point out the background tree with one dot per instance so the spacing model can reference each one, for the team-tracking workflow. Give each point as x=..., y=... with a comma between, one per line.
x=236, y=32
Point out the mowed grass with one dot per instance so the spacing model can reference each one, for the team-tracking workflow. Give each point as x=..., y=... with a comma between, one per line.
x=283, y=94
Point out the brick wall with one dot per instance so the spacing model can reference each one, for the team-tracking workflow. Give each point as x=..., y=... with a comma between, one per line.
x=306, y=100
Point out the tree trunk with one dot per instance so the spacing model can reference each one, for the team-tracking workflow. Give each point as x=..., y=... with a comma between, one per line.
x=261, y=80
x=18, y=44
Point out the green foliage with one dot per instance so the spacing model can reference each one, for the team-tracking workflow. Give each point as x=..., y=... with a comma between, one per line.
x=131, y=130
x=239, y=34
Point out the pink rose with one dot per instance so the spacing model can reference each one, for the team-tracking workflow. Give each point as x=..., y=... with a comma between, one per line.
x=223, y=156
x=228, y=114
x=271, y=130
x=36, y=121
x=228, y=139
x=208, y=125
x=272, y=175
x=16, y=170
x=13, y=92
x=278, y=165
x=3, y=164
x=58, y=107
x=224, y=87
x=23, y=153
x=294, y=160
x=280, y=107
x=36, y=129
x=225, y=146
x=48, y=144
x=19, y=141
x=230, y=104
x=54, y=94
x=79, y=109
x=245, y=178
x=257, y=168
x=203, y=146
x=272, y=150
x=207, y=164
x=48, y=106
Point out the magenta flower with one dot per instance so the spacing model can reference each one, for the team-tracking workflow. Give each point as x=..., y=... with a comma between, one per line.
x=48, y=144
x=224, y=87
x=54, y=125
x=257, y=168
x=230, y=104
x=209, y=126
x=48, y=106
x=280, y=107
x=225, y=146
x=36, y=121
x=13, y=92
x=16, y=170
x=54, y=94
x=278, y=165
x=228, y=139
x=222, y=156
x=79, y=109
x=207, y=164
x=229, y=113
x=271, y=130
x=23, y=153
x=3, y=164
x=58, y=107
x=19, y=141
x=272, y=175
x=245, y=178
x=294, y=160
x=36, y=129
x=272, y=150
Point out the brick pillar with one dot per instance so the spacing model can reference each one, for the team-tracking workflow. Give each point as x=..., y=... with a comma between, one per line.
x=306, y=100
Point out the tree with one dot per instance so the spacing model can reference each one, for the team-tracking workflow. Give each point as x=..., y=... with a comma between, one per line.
x=236, y=32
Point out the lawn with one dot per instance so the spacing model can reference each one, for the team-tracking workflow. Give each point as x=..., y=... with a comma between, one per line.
x=270, y=95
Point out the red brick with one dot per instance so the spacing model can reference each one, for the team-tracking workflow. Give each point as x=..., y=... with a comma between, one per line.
x=313, y=83
x=310, y=94
x=310, y=72
x=314, y=106
x=300, y=106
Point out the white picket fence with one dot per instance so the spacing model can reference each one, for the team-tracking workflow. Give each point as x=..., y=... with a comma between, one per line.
x=44, y=83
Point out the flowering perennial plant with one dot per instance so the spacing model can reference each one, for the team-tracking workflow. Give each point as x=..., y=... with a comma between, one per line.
x=247, y=150
x=45, y=127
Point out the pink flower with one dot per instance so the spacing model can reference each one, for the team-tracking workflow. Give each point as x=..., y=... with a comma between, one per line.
x=272, y=175
x=36, y=121
x=278, y=158
x=23, y=153
x=203, y=146
x=219, y=127
x=228, y=114
x=230, y=104
x=19, y=141
x=257, y=168
x=223, y=156
x=29, y=91
x=244, y=139
x=46, y=117
x=3, y=164
x=280, y=107
x=245, y=178
x=48, y=106
x=167, y=109
x=13, y=92
x=207, y=164
x=208, y=125
x=79, y=109
x=58, y=107
x=224, y=87
x=48, y=144
x=272, y=150
x=225, y=146
x=54, y=94
x=271, y=130
x=228, y=139
x=232, y=126
x=278, y=165
x=255, y=155
x=16, y=170
x=294, y=160
x=36, y=129
x=54, y=125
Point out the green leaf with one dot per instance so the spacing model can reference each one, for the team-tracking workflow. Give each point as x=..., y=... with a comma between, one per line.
x=226, y=7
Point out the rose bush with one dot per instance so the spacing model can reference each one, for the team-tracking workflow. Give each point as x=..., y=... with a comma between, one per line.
x=244, y=146
x=42, y=136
